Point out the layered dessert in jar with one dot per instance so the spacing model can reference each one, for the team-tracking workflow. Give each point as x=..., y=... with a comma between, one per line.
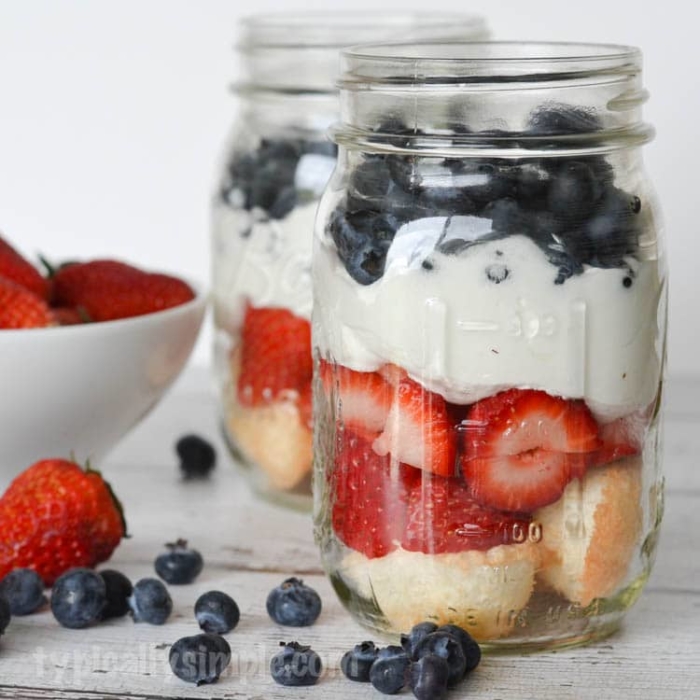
x=263, y=221
x=488, y=332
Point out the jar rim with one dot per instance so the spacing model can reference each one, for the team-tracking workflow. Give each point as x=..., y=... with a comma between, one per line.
x=450, y=62
x=316, y=29
x=492, y=52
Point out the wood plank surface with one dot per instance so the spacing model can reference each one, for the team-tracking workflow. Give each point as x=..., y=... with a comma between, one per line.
x=249, y=546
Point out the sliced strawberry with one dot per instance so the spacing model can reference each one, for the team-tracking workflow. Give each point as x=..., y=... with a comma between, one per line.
x=363, y=398
x=623, y=437
x=418, y=430
x=443, y=516
x=522, y=447
x=275, y=356
x=516, y=421
x=523, y=482
x=369, y=496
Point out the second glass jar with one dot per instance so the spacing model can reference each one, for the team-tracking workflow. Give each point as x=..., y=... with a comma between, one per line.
x=275, y=165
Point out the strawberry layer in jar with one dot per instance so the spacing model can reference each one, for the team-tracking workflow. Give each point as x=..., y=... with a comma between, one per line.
x=275, y=165
x=488, y=329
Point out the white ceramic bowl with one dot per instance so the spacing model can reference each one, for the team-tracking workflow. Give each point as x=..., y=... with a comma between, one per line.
x=77, y=390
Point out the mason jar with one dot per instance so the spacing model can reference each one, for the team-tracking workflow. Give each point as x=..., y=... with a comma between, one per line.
x=489, y=337
x=275, y=164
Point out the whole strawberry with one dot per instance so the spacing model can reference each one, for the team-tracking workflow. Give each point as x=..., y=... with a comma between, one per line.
x=105, y=290
x=55, y=516
x=20, y=271
x=20, y=308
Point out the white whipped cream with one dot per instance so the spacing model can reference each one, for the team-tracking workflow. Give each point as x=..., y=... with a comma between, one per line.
x=262, y=260
x=466, y=337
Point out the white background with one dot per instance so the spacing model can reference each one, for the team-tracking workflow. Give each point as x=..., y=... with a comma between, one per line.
x=112, y=113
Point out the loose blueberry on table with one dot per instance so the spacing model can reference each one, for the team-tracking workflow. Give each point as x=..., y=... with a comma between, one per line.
x=150, y=602
x=293, y=604
x=24, y=591
x=197, y=456
x=200, y=659
x=389, y=673
x=357, y=662
x=118, y=590
x=295, y=665
x=78, y=598
x=179, y=564
x=216, y=612
x=428, y=677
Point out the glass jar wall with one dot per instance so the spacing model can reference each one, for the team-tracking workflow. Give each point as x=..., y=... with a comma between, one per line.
x=275, y=165
x=489, y=333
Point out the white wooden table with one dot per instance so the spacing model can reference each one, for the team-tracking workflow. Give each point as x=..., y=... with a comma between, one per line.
x=250, y=546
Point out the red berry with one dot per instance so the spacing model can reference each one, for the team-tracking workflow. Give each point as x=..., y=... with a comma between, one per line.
x=20, y=308
x=363, y=399
x=17, y=269
x=368, y=496
x=623, y=437
x=522, y=447
x=106, y=290
x=275, y=356
x=418, y=430
x=443, y=516
x=55, y=516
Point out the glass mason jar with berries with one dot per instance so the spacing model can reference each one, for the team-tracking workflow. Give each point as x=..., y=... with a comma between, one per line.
x=489, y=333
x=275, y=165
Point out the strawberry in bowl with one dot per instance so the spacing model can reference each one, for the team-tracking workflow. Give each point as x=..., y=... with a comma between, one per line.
x=86, y=353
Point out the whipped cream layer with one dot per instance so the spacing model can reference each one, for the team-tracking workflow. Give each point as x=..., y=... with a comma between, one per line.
x=462, y=334
x=267, y=261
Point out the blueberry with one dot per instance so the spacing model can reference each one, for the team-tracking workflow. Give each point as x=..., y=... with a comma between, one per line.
x=449, y=648
x=389, y=673
x=118, y=589
x=447, y=201
x=562, y=119
x=216, y=612
x=422, y=629
x=573, y=192
x=78, y=597
x=472, y=651
x=179, y=564
x=295, y=665
x=362, y=240
x=357, y=662
x=405, y=173
x=150, y=602
x=428, y=678
x=484, y=181
x=508, y=217
x=293, y=604
x=5, y=614
x=370, y=181
x=612, y=232
x=200, y=659
x=197, y=456
x=285, y=201
x=24, y=591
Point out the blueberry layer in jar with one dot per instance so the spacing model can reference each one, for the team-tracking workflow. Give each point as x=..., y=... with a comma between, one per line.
x=274, y=167
x=489, y=333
